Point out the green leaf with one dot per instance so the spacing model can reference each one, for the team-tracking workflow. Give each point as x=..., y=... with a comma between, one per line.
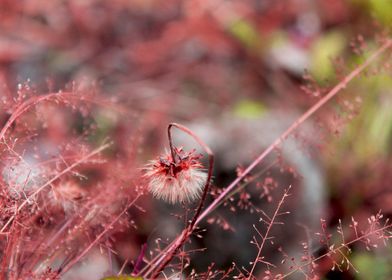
x=249, y=109
x=371, y=267
x=382, y=10
x=246, y=33
x=323, y=50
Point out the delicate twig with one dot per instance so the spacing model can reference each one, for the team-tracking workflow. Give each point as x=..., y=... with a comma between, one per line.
x=107, y=228
x=265, y=236
x=339, y=249
x=48, y=183
x=122, y=267
x=139, y=260
x=27, y=105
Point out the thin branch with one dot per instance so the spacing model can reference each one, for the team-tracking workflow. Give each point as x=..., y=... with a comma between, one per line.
x=338, y=249
x=107, y=228
x=25, y=106
x=48, y=183
x=269, y=227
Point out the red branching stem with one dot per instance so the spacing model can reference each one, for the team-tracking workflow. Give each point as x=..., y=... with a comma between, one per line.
x=341, y=247
x=49, y=182
x=166, y=258
x=140, y=259
x=264, y=237
x=92, y=244
x=25, y=106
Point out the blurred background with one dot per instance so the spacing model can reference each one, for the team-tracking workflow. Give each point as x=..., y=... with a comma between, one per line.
x=238, y=73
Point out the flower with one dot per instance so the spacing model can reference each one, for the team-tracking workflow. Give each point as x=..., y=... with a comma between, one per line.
x=178, y=180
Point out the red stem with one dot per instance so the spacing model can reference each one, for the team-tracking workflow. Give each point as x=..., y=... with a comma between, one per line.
x=210, y=164
x=165, y=259
x=96, y=240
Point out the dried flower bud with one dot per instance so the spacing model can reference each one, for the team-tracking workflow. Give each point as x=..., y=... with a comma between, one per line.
x=179, y=180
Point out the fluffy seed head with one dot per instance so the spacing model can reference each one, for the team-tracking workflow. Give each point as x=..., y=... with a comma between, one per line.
x=179, y=180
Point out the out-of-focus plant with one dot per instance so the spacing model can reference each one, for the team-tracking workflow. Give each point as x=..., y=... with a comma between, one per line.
x=73, y=192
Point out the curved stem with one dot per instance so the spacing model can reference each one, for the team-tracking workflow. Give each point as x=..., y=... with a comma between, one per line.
x=169, y=136
x=165, y=259
x=210, y=163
